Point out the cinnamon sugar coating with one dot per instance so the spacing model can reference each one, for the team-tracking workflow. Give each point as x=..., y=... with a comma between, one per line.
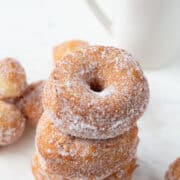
x=96, y=93
x=174, y=171
x=12, y=79
x=12, y=123
x=40, y=173
x=30, y=103
x=73, y=157
x=66, y=47
x=91, y=101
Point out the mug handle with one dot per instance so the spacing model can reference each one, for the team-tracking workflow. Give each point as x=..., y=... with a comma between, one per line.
x=100, y=15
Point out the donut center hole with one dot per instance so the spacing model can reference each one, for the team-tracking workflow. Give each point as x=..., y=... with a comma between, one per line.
x=96, y=85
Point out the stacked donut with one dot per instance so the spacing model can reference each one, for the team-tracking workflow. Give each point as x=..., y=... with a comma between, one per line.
x=88, y=130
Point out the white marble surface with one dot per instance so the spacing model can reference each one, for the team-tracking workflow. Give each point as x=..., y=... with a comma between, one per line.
x=28, y=31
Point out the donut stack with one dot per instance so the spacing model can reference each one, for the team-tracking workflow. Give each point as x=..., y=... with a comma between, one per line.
x=88, y=130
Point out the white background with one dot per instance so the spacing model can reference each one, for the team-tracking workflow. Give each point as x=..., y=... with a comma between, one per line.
x=29, y=30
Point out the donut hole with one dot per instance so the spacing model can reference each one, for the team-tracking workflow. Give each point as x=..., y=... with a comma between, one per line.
x=96, y=85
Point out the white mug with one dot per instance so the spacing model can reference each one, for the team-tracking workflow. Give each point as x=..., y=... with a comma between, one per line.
x=149, y=29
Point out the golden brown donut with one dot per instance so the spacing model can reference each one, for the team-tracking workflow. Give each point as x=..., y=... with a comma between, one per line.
x=88, y=130
x=74, y=157
x=31, y=102
x=96, y=93
x=66, y=47
x=40, y=174
x=174, y=171
x=12, y=123
x=12, y=79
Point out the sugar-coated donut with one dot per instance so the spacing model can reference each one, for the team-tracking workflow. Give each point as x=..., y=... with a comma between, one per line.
x=174, y=171
x=74, y=157
x=40, y=173
x=91, y=102
x=12, y=123
x=31, y=102
x=96, y=93
x=66, y=47
x=12, y=79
